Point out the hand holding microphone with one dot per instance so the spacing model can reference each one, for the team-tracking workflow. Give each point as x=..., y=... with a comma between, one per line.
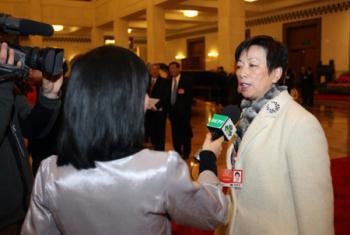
x=214, y=146
x=221, y=127
x=224, y=124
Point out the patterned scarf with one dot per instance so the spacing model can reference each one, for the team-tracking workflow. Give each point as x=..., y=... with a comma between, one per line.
x=250, y=110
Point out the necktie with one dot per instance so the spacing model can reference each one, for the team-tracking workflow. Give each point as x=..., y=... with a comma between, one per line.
x=173, y=92
x=153, y=82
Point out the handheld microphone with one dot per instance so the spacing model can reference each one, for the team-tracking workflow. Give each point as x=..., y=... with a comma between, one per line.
x=224, y=124
x=12, y=25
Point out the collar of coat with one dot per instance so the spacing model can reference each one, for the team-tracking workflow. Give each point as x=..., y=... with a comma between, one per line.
x=267, y=114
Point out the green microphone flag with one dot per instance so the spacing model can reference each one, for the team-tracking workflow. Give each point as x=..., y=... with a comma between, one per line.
x=224, y=124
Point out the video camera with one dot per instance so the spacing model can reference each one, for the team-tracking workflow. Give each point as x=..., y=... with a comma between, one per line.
x=48, y=60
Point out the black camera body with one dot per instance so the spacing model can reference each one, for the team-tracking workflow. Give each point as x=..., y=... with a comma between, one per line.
x=48, y=60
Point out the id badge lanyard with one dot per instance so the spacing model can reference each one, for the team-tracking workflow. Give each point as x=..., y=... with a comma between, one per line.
x=233, y=177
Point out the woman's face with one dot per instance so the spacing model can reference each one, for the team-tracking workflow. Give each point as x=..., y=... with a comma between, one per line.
x=254, y=79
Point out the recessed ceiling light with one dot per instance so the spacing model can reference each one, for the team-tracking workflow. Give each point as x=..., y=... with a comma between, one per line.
x=250, y=0
x=57, y=27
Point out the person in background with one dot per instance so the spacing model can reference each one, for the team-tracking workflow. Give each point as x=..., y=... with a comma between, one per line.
x=311, y=86
x=103, y=181
x=233, y=95
x=289, y=80
x=220, y=70
x=157, y=112
x=43, y=147
x=307, y=86
x=281, y=151
x=180, y=110
x=19, y=120
x=163, y=70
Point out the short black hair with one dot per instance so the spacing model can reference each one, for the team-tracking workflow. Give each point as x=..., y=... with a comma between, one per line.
x=276, y=52
x=103, y=114
x=237, y=173
x=175, y=63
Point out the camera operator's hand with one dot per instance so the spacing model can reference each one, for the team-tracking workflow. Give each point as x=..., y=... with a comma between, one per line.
x=7, y=58
x=50, y=87
x=214, y=146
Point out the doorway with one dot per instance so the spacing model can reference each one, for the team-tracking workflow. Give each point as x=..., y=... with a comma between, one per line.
x=195, y=54
x=303, y=40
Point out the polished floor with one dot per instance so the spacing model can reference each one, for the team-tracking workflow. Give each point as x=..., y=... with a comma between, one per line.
x=334, y=116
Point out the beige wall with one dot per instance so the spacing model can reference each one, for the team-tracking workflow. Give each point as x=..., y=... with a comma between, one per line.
x=335, y=33
x=179, y=46
x=142, y=51
x=275, y=30
x=71, y=49
x=18, y=8
x=211, y=45
x=175, y=47
x=71, y=13
x=335, y=40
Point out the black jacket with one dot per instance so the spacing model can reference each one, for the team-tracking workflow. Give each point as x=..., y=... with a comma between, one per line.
x=18, y=120
x=182, y=108
x=160, y=91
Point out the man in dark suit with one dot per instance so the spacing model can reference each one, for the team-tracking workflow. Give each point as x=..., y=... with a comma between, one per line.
x=180, y=110
x=156, y=114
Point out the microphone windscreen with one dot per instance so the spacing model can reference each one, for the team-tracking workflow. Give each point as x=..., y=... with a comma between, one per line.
x=29, y=27
x=233, y=112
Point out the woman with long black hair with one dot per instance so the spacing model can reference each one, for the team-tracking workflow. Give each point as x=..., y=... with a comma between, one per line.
x=103, y=181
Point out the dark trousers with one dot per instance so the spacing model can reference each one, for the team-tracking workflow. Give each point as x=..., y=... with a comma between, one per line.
x=155, y=125
x=181, y=134
x=307, y=95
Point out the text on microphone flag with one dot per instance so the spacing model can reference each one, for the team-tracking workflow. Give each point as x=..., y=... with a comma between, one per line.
x=217, y=121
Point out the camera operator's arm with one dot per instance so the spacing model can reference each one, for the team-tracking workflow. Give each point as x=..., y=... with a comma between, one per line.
x=6, y=95
x=36, y=122
x=51, y=88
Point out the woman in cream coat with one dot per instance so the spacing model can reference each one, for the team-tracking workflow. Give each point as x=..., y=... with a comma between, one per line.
x=282, y=152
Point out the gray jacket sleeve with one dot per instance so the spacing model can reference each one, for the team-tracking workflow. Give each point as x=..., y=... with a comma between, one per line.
x=200, y=203
x=39, y=219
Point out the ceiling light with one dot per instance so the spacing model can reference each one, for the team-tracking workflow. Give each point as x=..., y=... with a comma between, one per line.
x=129, y=30
x=190, y=13
x=250, y=0
x=57, y=27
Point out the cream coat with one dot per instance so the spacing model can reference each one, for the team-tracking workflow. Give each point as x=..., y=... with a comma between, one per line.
x=287, y=187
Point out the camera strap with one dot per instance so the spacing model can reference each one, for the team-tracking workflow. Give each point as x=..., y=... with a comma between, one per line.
x=20, y=157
